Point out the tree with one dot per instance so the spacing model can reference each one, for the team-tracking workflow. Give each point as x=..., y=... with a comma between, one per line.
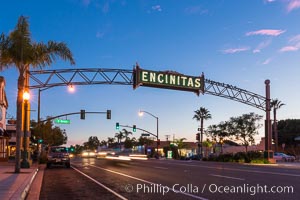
x=103, y=143
x=50, y=134
x=129, y=142
x=244, y=128
x=17, y=50
x=110, y=142
x=200, y=115
x=276, y=104
x=288, y=130
x=120, y=136
x=180, y=144
x=145, y=141
x=207, y=144
x=126, y=133
x=218, y=133
x=92, y=143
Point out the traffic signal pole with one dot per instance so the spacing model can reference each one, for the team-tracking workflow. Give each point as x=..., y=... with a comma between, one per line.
x=138, y=129
x=74, y=113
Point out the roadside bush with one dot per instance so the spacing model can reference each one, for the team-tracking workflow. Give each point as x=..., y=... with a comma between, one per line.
x=225, y=157
x=260, y=161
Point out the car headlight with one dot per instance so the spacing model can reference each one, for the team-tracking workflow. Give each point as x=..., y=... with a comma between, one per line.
x=85, y=154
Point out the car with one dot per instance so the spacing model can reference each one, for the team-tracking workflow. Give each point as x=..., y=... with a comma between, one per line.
x=88, y=154
x=58, y=155
x=193, y=157
x=279, y=156
x=102, y=154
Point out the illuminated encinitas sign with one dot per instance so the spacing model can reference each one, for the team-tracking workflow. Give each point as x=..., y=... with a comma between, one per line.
x=168, y=79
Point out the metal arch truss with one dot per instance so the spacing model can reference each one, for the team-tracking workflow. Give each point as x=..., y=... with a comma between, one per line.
x=44, y=79
x=235, y=93
x=87, y=76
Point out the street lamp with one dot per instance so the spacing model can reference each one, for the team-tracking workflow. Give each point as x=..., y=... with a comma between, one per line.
x=141, y=113
x=71, y=89
x=24, y=162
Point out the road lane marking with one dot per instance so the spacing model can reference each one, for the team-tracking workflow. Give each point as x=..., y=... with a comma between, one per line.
x=149, y=182
x=241, y=170
x=242, y=179
x=97, y=182
x=160, y=167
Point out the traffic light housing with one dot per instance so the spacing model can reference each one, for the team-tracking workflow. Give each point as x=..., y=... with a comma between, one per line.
x=134, y=128
x=82, y=114
x=158, y=142
x=198, y=136
x=117, y=126
x=40, y=141
x=108, y=114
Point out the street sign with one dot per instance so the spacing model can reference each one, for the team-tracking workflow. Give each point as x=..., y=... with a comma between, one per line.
x=145, y=134
x=62, y=121
x=168, y=80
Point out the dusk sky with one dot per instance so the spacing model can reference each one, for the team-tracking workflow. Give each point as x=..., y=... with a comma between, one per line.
x=241, y=43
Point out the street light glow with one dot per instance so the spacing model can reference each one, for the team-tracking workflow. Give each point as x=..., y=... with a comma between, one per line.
x=26, y=95
x=71, y=88
x=141, y=113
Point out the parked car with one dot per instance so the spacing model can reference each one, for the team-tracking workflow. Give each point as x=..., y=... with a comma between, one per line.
x=193, y=157
x=58, y=155
x=279, y=156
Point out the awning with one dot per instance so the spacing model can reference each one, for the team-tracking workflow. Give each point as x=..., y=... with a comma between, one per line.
x=3, y=133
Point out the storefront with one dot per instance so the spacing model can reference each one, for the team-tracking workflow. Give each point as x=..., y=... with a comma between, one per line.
x=4, y=136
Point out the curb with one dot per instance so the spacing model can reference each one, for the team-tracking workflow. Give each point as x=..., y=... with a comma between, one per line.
x=28, y=185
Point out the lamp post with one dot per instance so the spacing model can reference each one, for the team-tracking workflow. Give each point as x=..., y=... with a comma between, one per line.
x=71, y=89
x=24, y=162
x=141, y=114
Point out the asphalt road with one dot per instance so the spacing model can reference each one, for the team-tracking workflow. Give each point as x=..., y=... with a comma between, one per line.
x=169, y=179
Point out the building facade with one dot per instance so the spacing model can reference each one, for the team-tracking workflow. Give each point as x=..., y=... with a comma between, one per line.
x=4, y=136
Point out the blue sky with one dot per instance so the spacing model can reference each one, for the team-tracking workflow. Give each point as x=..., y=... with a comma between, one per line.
x=240, y=43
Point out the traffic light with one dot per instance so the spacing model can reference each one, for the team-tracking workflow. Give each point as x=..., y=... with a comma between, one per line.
x=72, y=149
x=198, y=136
x=117, y=126
x=82, y=114
x=158, y=142
x=108, y=114
x=134, y=128
x=40, y=141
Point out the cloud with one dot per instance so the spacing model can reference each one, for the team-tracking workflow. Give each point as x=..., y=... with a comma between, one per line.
x=295, y=39
x=293, y=44
x=157, y=8
x=292, y=5
x=267, y=61
x=236, y=50
x=288, y=48
x=270, y=32
x=262, y=45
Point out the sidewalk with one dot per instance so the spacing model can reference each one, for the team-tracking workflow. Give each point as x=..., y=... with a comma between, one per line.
x=15, y=186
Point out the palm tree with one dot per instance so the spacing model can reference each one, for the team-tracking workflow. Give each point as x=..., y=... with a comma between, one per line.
x=110, y=141
x=180, y=144
x=200, y=115
x=126, y=133
x=17, y=50
x=276, y=104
